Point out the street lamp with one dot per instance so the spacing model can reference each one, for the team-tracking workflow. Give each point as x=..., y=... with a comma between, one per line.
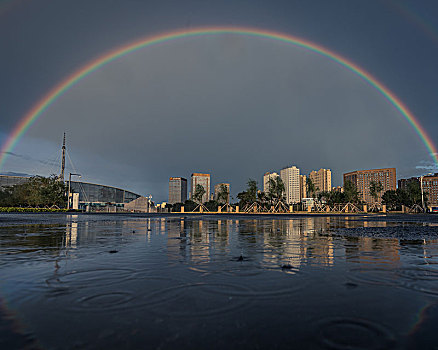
x=69, y=187
x=422, y=192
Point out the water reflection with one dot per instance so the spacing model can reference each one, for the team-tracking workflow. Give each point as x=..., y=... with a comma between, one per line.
x=268, y=242
x=273, y=242
x=272, y=280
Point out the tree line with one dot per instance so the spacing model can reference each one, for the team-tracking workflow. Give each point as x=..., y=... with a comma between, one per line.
x=38, y=191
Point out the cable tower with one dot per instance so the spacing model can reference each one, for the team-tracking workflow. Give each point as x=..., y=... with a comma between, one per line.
x=61, y=176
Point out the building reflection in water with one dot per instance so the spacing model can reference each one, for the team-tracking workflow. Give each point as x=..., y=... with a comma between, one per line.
x=430, y=251
x=71, y=235
x=369, y=250
x=296, y=242
x=268, y=242
x=274, y=242
x=199, y=241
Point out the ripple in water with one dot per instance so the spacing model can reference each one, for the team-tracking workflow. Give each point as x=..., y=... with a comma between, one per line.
x=354, y=334
x=110, y=300
x=199, y=300
x=374, y=276
x=420, y=279
x=131, y=294
x=90, y=278
x=273, y=284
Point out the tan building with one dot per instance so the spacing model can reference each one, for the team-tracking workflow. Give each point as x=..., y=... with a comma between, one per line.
x=204, y=181
x=266, y=179
x=322, y=180
x=430, y=186
x=362, y=180
x=303, y=187
x=217, y=190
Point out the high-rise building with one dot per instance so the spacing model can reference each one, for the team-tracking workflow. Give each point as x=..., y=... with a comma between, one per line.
x=177, y=190
x=322, y=180
x=362, y=180
x=218, y=188
x=266, y=179
x=291, y=179
x=430, y=187
x=303, y=187
x=204, y=181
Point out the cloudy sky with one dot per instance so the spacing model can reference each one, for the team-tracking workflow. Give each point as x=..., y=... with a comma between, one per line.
x=231, y=105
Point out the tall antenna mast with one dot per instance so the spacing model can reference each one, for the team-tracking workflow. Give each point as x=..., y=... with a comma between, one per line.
x=63, y=160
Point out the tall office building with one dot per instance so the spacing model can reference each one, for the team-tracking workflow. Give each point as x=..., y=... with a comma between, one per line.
x=362, y=180
x=303, y=187
x=177, y=190
x=204, y=181
x=322, y=179
x=217, y=190
x=266, y=179
x=291, y=179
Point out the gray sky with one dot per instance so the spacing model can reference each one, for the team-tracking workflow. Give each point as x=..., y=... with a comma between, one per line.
x=229, y=105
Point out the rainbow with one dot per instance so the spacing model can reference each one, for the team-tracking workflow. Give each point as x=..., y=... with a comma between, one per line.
x=39, y=108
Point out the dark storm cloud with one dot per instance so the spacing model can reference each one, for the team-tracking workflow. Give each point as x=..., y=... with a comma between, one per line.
x=231, y=106
x=27, y=157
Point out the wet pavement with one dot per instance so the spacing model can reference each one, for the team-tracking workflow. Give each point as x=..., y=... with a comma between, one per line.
x=218, y=281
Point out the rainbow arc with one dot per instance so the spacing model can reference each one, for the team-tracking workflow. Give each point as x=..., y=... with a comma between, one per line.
x=40, y=107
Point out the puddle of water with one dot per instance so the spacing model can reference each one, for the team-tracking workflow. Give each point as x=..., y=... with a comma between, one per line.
x=216, y=281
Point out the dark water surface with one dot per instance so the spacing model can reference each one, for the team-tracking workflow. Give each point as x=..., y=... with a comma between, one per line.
x=218, y=282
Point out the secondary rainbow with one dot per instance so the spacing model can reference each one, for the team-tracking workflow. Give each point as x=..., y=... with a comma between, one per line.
x=39, y=108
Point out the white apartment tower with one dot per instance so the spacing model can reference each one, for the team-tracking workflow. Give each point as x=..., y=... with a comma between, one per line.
x=291, y=179
x=266, y=179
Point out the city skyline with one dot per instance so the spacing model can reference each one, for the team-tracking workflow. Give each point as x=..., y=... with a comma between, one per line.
x=241, y=103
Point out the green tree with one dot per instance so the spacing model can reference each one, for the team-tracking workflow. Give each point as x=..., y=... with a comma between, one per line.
x=261, y=197
x=176, y=207
x=199, y=193
x=252, y=190
x=223, y=195
x=311, y=188
x=414, y=193
x=403, y=197
x=211, y=205
x=38, y=191
x=391, y=199
x=276, y=189
x=189, y=205
x=351, y=193
x=375, y=188
x=250, y=195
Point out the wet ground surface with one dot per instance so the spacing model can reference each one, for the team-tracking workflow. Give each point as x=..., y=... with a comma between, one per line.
x=239, y=282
